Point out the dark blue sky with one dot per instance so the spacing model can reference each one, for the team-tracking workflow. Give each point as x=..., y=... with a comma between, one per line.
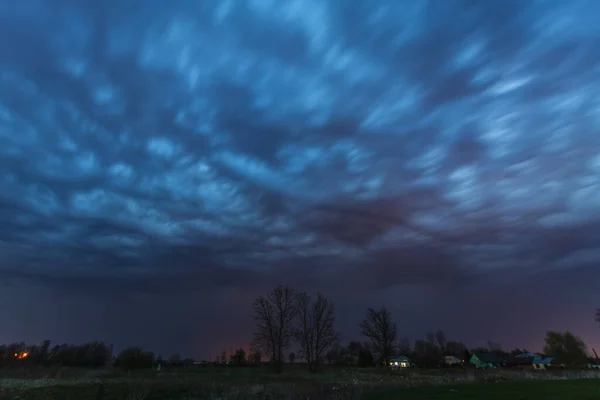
x=162, y=163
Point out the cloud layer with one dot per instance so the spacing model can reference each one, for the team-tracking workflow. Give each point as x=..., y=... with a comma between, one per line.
x=248, y=142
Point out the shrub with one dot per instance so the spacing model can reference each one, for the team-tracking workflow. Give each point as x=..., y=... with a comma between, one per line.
x=135, y=358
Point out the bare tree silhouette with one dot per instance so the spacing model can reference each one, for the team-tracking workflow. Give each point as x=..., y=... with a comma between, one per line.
x=378, y=327
x=315, y=333
x=274, y=317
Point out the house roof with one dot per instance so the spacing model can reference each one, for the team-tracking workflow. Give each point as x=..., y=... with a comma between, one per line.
x=543, y=360
x=400, y=358
x=527, y=355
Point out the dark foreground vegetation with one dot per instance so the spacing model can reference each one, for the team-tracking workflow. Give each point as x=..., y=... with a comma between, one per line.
x=552, y=390
x=231, y=383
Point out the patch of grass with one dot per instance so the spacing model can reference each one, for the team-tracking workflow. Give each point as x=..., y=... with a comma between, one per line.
x=298, y=383
x=581, y=389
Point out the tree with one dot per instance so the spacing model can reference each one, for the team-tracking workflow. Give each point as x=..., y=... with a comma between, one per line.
x=430, y=337
x=239, y=357
x=354, y=348
x=175, y=359
x=516, y=351
x=94, y=354
x=332, y=355
x=440, y=338
x=495, y=347
x=255, y=356
x=292, y=357
x=456, y=349
x=403, y=347
x=359, y=354
x=565, y=347
x=44, y=352
x=426, y=353
x=380, y=329
x=274, y=317
x=480, y=350
x=315, y=332
x=365, y=359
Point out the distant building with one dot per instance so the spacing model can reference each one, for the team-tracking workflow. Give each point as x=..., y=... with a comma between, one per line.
x=400, y=362
x=452, y=360
x=527, y=355
x=594, y=363
x=540, y=362
x=523, y=360
x=487, y=360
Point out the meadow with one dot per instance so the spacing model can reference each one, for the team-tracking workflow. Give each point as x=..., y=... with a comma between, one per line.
x=231, y=383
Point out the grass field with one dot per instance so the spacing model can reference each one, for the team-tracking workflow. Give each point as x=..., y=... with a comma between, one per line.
x=583, y=389
x=295, y=383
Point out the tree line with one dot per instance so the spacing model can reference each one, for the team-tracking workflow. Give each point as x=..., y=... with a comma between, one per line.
x=286, y=317
x=93, y=354
x=87, y=355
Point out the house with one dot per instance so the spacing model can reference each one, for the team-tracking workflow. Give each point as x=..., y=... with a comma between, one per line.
x=527, y=355
x=486, y=360
x=400, y=362
x=526, y=360
x=593, y=363
x=452, y=360
x=541, y=362
x=520, y=361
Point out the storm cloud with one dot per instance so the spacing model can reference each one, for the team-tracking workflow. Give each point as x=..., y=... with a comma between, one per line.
x=195, y=154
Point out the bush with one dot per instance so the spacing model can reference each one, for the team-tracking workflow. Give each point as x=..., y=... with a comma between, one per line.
x=135, y=358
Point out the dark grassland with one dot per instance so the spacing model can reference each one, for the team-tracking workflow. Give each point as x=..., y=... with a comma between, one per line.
x=230, y=383
x=517, y=390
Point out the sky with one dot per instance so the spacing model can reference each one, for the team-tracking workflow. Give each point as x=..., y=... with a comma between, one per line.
x=164, y=163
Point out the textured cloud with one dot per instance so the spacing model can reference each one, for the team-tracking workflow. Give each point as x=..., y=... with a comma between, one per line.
x=251, y=142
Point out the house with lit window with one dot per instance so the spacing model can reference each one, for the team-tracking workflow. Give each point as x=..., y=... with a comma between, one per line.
x=400, y=362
